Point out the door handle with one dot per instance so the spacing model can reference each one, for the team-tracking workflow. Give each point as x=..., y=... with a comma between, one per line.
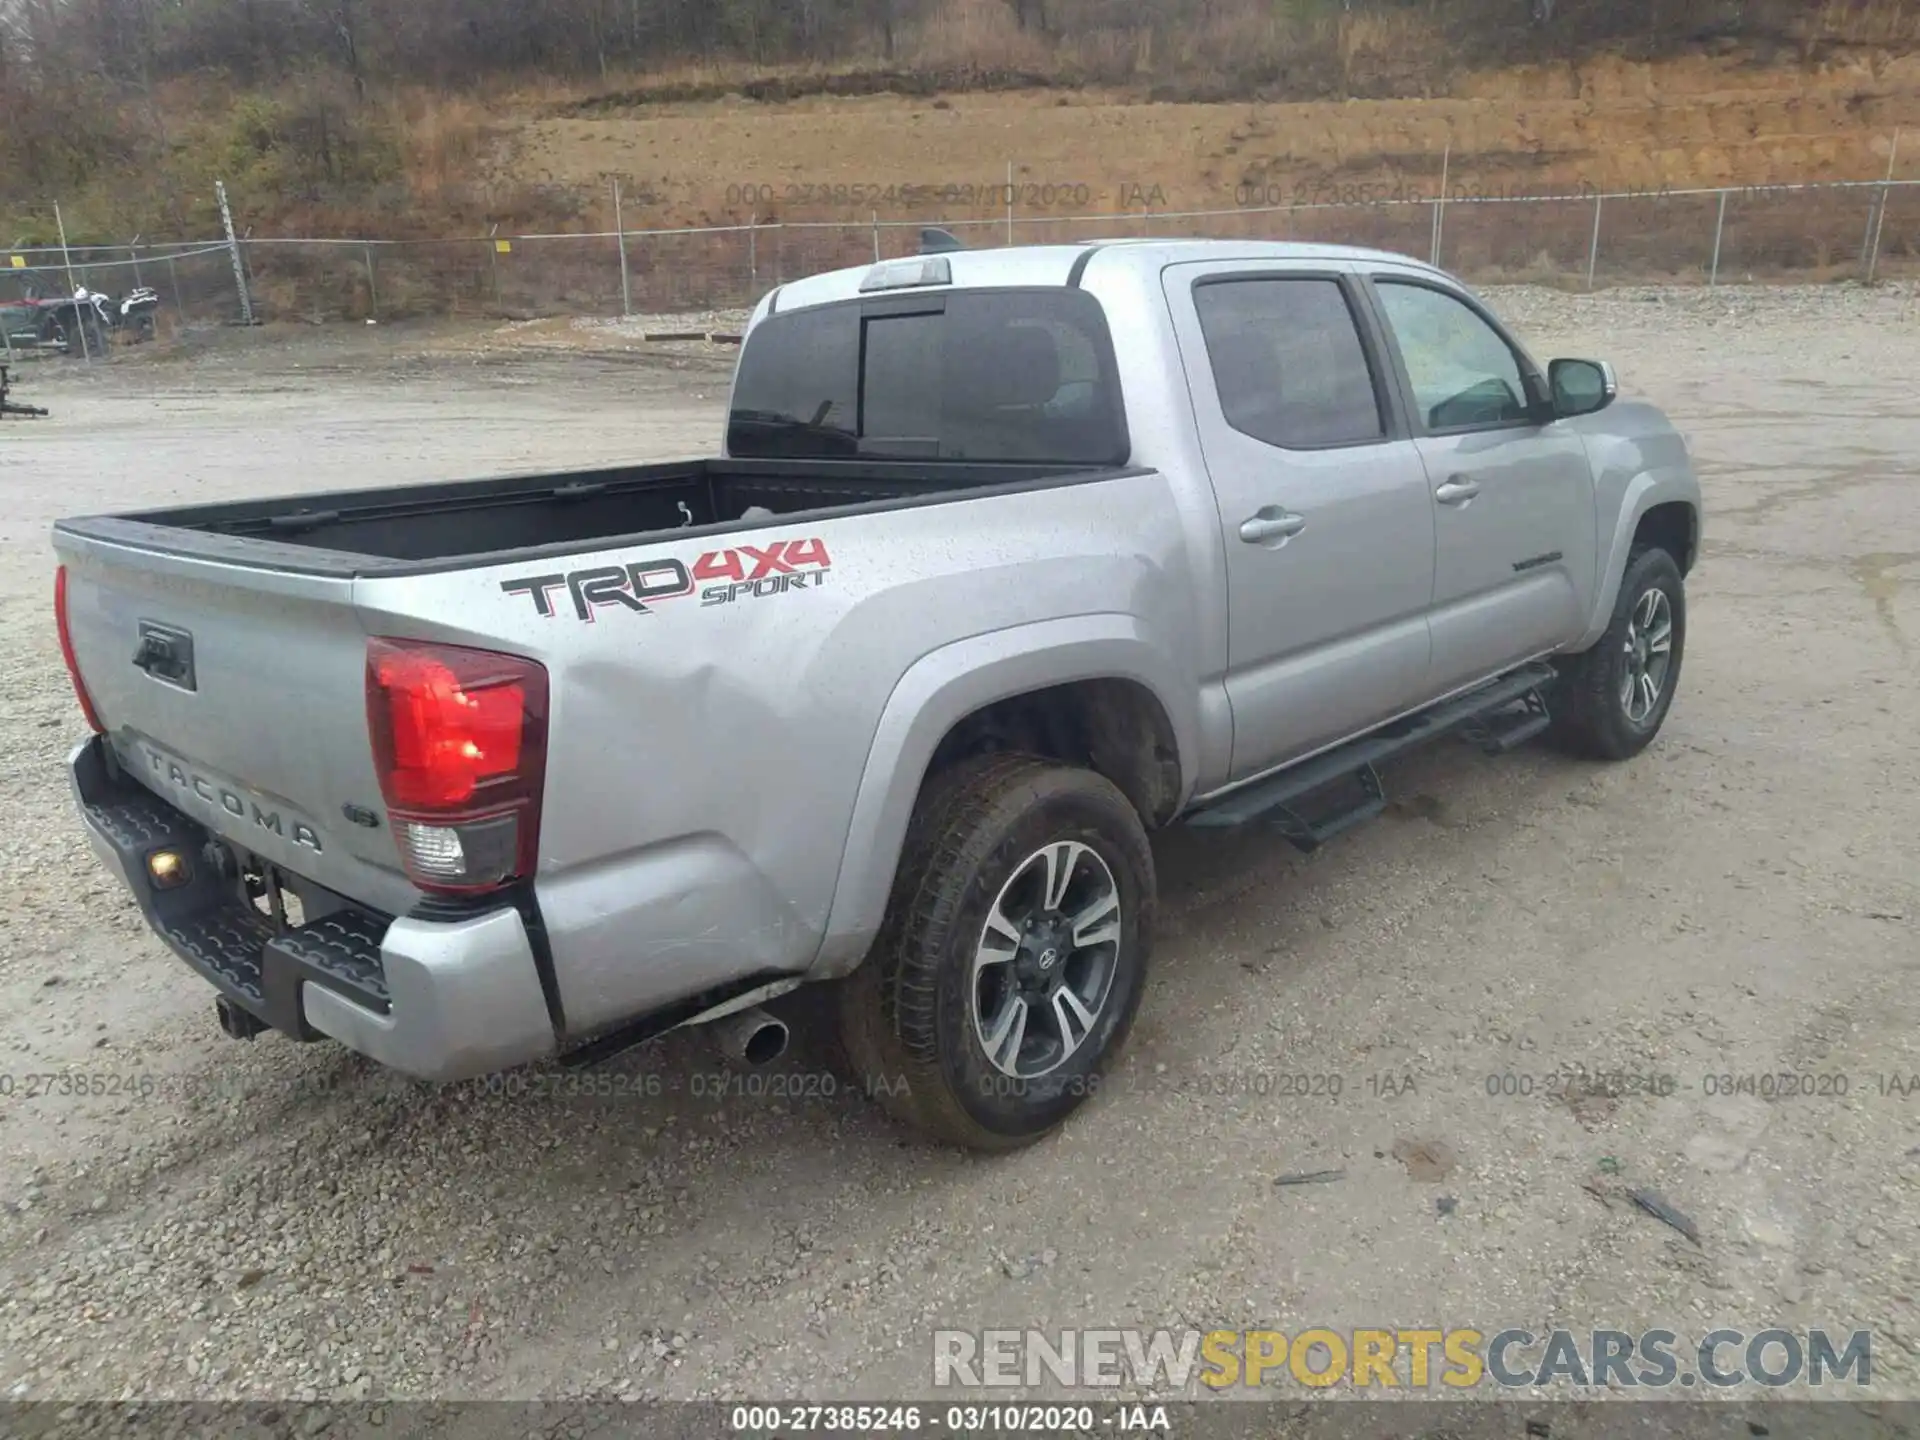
x=1458, y=490
x=1272, y=523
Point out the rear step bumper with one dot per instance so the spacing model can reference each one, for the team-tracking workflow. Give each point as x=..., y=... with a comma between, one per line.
x=441, y=1001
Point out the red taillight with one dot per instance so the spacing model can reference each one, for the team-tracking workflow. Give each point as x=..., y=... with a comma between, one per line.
x=66, y=651
x=460, y=740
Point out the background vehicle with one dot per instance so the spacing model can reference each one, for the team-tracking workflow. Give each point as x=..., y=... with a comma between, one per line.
x=63, y=322
x=1050, y=547
x=10, y=406
x=21, y=319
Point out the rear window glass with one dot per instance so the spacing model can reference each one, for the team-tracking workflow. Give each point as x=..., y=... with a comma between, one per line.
x=979, y=375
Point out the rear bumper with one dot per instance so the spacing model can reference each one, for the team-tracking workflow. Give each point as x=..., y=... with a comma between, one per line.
x=438, y=1000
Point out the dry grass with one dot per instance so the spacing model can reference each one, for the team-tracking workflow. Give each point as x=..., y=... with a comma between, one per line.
x=980, y=35
x=1867, y=22
x=1238, y=47
x=445, y=136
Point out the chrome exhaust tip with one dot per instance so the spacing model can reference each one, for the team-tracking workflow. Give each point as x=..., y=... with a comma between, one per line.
x=751, y=1037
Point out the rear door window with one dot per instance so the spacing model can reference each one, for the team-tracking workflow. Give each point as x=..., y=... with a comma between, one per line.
x=1288, y=362
x=1023, y=376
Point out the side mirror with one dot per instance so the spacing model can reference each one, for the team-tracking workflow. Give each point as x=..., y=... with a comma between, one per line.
x=1581, y=387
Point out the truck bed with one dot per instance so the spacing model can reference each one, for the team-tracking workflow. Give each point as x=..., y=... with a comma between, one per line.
x=480, y=522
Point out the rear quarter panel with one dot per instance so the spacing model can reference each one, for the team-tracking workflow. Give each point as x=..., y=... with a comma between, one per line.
x=706, y=754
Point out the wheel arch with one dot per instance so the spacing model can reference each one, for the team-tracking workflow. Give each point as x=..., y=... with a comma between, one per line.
x=1660, y=508
x=1093, y=690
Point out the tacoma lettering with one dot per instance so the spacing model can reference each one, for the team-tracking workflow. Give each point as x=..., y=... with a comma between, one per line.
x=241, y=808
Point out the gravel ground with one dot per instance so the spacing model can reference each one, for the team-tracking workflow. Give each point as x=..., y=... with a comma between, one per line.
x=272, y=1221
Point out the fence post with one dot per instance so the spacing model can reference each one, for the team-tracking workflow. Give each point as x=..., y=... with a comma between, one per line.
x=173, y=273
x=1009, y=202
x=493, y=261
x=753, y=253
x=874, y=216
x=233, y=248
x=1719, y=232
x=1593, y=252
x=133, y=249
x=73, y=288
x=1440, y=205
x=620, y=230
x=1880, y=222
x=373, y=286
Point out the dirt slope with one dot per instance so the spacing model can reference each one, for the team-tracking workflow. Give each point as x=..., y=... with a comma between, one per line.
x=1605, y=124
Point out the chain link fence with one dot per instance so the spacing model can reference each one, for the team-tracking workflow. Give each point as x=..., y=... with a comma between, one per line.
x=1854, y=230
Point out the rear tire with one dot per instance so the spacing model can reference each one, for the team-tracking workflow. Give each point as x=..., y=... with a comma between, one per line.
x=1611, y=701
x=1013, y=957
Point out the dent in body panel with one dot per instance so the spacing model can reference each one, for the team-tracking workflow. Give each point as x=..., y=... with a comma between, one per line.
x=642, y=930
x=718, y=750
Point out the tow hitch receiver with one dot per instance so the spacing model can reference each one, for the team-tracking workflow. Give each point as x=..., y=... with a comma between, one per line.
x=237, y=1023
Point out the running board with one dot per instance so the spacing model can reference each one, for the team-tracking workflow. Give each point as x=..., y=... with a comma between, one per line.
x=1480, y=716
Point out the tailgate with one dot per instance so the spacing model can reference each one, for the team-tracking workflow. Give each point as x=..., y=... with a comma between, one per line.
x=238, y=694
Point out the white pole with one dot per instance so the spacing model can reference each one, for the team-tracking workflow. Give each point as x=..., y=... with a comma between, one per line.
x=1719, y=232
x=620, y=226
x=1009, y=202
x=1593, y=255
x=1886, y=193
x=73, y=287
x=1440, y=209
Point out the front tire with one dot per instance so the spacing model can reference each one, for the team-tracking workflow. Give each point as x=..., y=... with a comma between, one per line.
x=1612, y=700
x=1013, y=957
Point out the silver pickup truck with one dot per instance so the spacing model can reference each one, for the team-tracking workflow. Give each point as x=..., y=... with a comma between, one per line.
x=1011, y=557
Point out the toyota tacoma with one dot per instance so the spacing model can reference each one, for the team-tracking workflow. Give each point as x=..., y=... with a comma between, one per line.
x=1009, y=558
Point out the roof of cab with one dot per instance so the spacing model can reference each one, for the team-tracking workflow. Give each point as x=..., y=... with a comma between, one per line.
x=1043, y=265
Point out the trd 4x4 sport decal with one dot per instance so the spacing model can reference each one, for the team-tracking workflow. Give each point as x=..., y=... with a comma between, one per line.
x=750, y=572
